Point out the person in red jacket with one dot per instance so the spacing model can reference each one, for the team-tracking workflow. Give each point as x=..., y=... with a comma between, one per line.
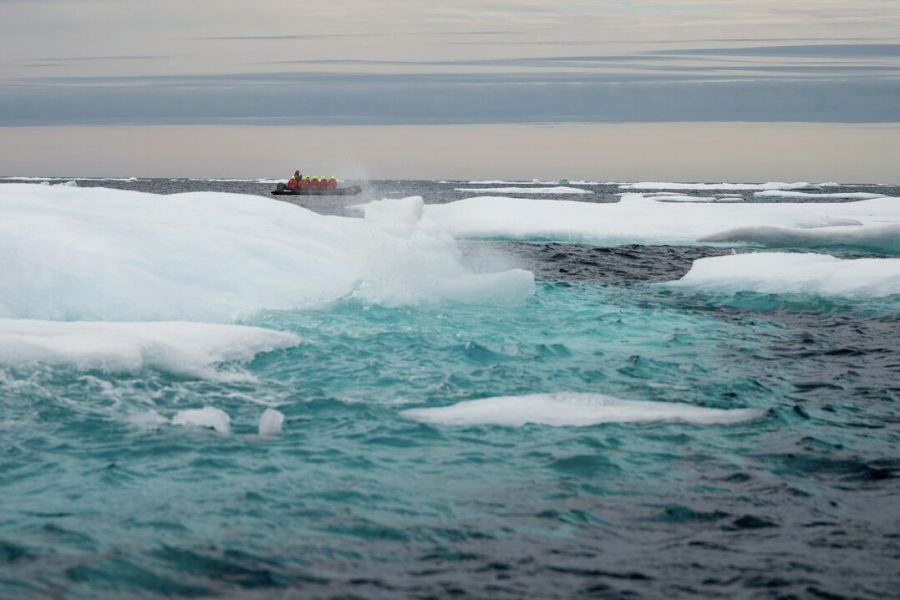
x=294, y=182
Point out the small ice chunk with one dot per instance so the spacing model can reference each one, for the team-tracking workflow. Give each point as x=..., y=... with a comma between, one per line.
x=270, y=422
x=148, y=419
x=208, y=416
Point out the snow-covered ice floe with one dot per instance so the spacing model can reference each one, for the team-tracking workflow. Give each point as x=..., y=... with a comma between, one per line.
x=782, y=272
x=181, y=348
x=575, y=409
x=867, y=224
x=98, y=254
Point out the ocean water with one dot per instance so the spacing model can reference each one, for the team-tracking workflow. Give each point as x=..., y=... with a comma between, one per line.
x=425, y=391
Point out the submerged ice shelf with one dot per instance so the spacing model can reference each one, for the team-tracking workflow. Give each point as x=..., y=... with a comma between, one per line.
x=572, y=409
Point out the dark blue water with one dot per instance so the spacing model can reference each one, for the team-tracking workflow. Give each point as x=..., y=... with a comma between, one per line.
x=354, y=500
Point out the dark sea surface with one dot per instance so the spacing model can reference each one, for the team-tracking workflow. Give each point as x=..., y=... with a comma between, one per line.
x=355, y=500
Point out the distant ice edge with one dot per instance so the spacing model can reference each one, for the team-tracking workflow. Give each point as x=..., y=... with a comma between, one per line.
x=569, y=409
x=872, y=225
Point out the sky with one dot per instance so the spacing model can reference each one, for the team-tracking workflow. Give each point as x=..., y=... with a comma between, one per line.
x=142, y=87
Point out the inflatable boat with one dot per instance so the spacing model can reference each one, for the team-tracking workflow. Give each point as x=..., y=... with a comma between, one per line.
x=283, y=190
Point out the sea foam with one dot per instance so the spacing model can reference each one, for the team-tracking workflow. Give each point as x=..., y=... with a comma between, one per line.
x=574, y=409
x=207, y=417
x=270, y=422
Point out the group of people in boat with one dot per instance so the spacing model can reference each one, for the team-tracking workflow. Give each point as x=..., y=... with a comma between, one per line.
x=298, y=181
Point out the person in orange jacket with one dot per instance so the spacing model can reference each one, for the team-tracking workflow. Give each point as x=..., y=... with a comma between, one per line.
x=294, y=182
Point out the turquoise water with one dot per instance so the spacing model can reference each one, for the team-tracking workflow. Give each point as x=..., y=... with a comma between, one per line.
x=355, y=498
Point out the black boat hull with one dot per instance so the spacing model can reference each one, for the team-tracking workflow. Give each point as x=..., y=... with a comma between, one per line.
x=347, y=191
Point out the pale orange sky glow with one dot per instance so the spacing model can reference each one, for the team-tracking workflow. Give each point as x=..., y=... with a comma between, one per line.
x=594, y=151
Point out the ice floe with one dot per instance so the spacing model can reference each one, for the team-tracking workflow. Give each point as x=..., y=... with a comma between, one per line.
x=191, y=349
x=575, y=409
x=102, y=254
x=867, y=224
x=782, y=272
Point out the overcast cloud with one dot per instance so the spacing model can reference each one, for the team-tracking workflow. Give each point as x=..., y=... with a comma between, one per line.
x=68, y=62
x=484, y=88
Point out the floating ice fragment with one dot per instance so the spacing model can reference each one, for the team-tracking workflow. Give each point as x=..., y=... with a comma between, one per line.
x=845, y=233
x=148, y=419
x=270, y=422
x=574, y=409
x=208, y=416
x=182, y=348
x=639, y=219
x=781, y=272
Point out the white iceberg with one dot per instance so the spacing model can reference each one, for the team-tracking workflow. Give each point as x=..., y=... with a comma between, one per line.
x=101, y=254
